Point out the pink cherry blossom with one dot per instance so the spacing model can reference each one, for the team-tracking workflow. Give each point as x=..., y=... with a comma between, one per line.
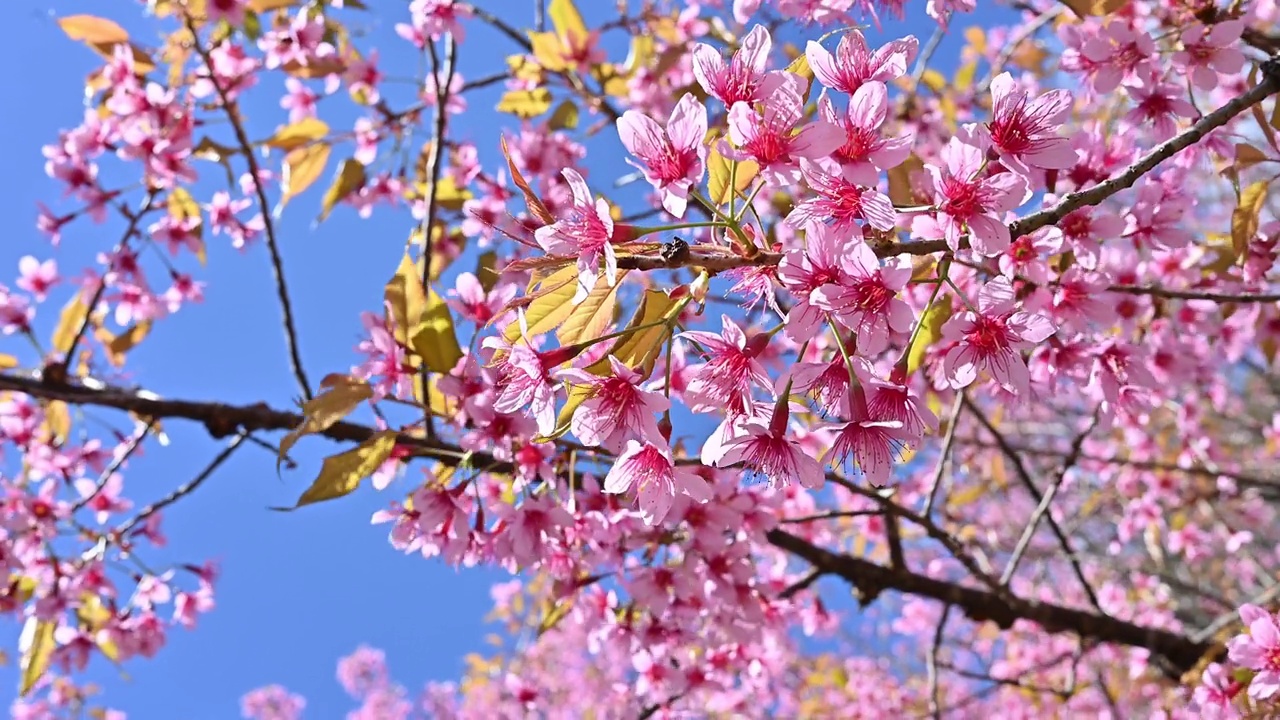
x=968, y=202
x=765, y=448
x=616, y=407
x=771, y=139
x=743, y=78
x=854, y=63
x=1208, y=52
x=673, y=157
x=38, y=277
x=1258, y=650
x=724, y=382
x=865, y=148
x=1024, y=131
x=865, y=300
x=648, y=469
x=989, y=340
x=586, y=230
x=844, y=198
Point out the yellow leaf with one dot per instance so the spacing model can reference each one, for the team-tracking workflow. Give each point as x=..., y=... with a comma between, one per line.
x=565, y=116
x=435, y=338
x=589, y=319
x=341, y=474
x=551, y=304
x=36, y=646
x=526, y=104
x=74, y=314
x=316, y=67
x=556, y=612
x=969, y=494
x=93, y=30
x=901, y=191
x=640, y=349
x=964, y=76
x=8, y=361
x=934, y=80
x=1085, y=8
x=406, y=299
x=567, y=21
x=1245, y=218
x=487, y=270
x=121, y=344
x=302, y=167
x=929, y=333
x=93, y=617
x=1248, y=156
x=340, y=395
x=261, y=6
x=349, y=178
x=548, y=51
x=640, y=54
x=977, y=38
x=57, y=421
x=720, y=168
x=296, y=135
x=449, y=196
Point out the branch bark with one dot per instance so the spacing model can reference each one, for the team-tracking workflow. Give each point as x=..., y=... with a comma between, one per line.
x=1003, y=608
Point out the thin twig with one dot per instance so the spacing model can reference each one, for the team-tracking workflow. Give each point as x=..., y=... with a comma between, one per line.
x=945, y=453
x=183, y=490
x=273, y=246
x=1024, y=476
x=1194, y=294
x=500, y=25
x=935, y=701
x=435, y=162
x=1026, y=32
x=134, y=219
x=1045, y=502
x=119, y=460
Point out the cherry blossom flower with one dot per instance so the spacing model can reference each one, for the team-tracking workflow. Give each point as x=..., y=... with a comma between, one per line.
x=866, y=149
x=865, y=300
x=989, y=340
x=585, y=231
x=743, y=78
x=1208, y=52
x=854, y=64
x=724, y=382
x=673, y=157
x=37, y=277
x=1259, y=650
x=475, y=303
x=1024, y=131
x=844, y=198
x=771, y=139
x=1158, y=105
x=526, y=378
x=1119, y=52
x=616, y=408
x=648, y=469
x=230, y=10
x=968, y=202
x=299, y=100
x=766, y=448
x=1216, y=694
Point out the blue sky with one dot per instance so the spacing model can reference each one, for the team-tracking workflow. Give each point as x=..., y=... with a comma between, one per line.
x=298, y=590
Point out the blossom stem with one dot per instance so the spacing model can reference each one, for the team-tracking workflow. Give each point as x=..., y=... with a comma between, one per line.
x=639, y=232
x=944, y=272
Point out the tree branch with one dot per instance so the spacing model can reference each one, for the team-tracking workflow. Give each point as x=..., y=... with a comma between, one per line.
x=273, y=246
x=981, y=605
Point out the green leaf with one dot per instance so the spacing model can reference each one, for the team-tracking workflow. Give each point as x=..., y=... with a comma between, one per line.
x=930, y=332
x=487, y=270
x=341, y=474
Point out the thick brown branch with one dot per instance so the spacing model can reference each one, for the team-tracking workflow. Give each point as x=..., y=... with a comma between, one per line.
x=982, y=605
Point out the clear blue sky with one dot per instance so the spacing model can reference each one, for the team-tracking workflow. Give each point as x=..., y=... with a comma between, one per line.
x=298, y=590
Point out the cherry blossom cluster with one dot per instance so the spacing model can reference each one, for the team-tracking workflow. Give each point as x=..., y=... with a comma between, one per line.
x=1009, y=332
